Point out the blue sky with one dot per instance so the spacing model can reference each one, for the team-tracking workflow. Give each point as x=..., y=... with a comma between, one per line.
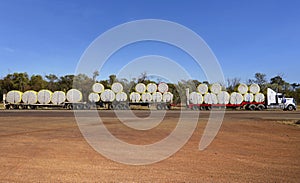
x=49, y=36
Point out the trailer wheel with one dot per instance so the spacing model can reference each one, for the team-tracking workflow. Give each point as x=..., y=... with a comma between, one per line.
x=195, y=108
x=69, y=106
x=208, y=108
x=260, y=107
x=290, y=108
x=252, y=107
x=159, y=107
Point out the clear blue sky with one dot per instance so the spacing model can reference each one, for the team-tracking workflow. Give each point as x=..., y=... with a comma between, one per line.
x=49, y=36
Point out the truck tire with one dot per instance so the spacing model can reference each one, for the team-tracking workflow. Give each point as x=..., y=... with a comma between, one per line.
x=252, y=107
x=260, y=107
x=195, y=108
x=290, y=108
x=159, y=107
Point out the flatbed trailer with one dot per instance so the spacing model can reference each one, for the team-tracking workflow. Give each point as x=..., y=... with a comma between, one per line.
x=244, y=105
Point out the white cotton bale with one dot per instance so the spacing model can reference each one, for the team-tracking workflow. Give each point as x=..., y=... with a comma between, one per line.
x=134, y=97
x=215, y=88
x=163, y=87
x=167, y=97
x=156, y=97
x=29, y=97
x=146, y=97
x=140, y=88
x=254, y=88
x=151, y=87
x=243, y=88
x=202, y=88
x=74, y=95
x=196, y=98
x=223, y=97
x=14, y=97
x=121, y=97
x=94, y=97
x=44, y=96
x=98, y=88
x=108, y=95
x=210, y=98
x=236, y=98
x=58, y=97
x=117, y=87
x=249, y=97
x=259, y=97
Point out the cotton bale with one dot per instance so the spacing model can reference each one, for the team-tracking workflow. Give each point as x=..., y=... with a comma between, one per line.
x=163, y=87
x=107, y=95
x=196, y=98
x=140, y=88
x=210, y=98
x=14, y=96
x=94, y=97
x=58, y=97
x=202, y=88
x=30, y=97
x=215, y=88
x=167, y=97
x=156, y=97
x=151, y=87
x=98, y=88
x=117, y=87
x=243, y=88
x=249, y=97
x=236, y=98
x=254, y=88
x=134, y=97
x=74, y=95
x=223, y=97
x=44, y=96
x=146, y=97
x=121, y=97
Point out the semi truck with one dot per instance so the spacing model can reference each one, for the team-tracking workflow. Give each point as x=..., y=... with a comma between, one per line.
x=273, y=100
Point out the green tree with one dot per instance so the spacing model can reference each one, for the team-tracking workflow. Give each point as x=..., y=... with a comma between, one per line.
x=65, y=83
x=37, y=82
x=112, y=79
x=52, y=82
x=261, y=80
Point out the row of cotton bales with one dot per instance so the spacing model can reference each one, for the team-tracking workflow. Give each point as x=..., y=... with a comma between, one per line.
x=150, y=93
x=43, y=97
x=215, y=95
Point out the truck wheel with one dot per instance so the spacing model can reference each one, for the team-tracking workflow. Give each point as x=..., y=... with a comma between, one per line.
x=195, y=108
x=290, y=108
x=208, y=108
x=260, y=107
x=159, y=107
x=252, y=107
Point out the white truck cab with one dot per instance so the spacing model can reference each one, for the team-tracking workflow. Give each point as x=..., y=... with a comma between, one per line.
x=278, y=100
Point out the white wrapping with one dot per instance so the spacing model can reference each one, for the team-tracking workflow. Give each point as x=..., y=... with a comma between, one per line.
x=29, y=97
x=107, y=95
x=14, y=97
x=44, y=96
x=254, y=88
x=196, y=98
x=58, y=97
x=94, y=97
x=74, y=95
x=223, y=97
x=151, y=87
x=243, y=88
x=146, y=97
x=202, y=89
x=259, y=97
x=163, y=87
x=210, y=98
x=117, y=87
x=249, y=97
x=156, y=97
x=134, y=97
x=167, y=97
x=98, y=88
x=140, y=88
x=236, y=98
x=122, y=96
x=215, y=88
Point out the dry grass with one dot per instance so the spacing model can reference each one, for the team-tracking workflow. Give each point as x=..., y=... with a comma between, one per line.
x=290, y=122
x=1, y=106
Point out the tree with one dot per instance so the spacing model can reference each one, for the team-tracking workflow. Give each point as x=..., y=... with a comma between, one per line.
x=83, y=83
x=52, y=82
x=37, y=82
x=65, y=83
x=95, y=75
x=260, y=79
x=232, y=84
x=279, y=84
x=112, y=79
x=142, y=77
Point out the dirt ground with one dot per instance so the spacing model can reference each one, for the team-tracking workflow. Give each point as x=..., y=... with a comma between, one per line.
x=47, y=146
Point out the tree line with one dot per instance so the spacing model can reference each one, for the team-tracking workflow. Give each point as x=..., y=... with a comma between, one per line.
x=23, y=82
